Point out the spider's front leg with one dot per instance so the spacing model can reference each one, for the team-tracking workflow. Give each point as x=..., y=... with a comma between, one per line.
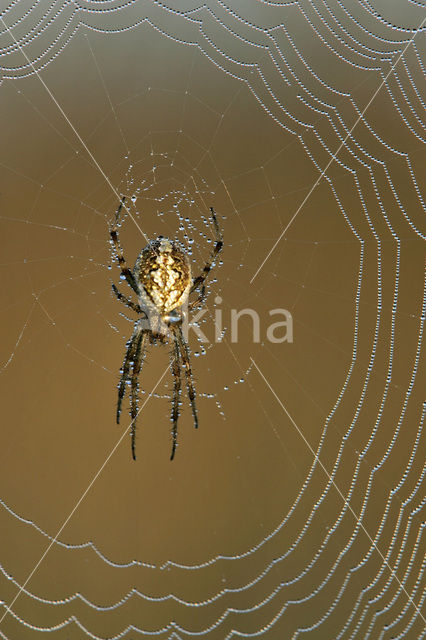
x=113, y=232
x=199, y=280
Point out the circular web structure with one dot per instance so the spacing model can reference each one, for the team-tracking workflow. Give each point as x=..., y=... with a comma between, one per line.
x=296, y=509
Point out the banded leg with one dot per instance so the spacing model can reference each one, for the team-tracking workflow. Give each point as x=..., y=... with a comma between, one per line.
x=174, y=365
x=128, y=358
x=217, y=248
x=119, y=251
x=184, y=351
x=199, y=299
x=137, y=365
x=126, y=301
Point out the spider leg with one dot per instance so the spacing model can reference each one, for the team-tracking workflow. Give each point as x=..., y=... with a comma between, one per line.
x=137, y=365
x=128, y=358
x=175, y=367
x=217, y=248
x=119, y=251
x=184, y=351
x=198, y=300
x=126, y=301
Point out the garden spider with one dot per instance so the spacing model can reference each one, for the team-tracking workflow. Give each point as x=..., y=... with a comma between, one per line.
x=162, y=282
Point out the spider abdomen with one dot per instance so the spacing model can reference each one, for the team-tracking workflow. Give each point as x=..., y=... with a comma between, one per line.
x=163, y=272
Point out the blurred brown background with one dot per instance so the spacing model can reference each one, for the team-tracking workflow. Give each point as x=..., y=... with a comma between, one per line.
x=237, y=122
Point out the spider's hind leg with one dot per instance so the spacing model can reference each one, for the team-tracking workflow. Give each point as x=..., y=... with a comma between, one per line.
x=184, y=351
x=128, y=358
x=175, y=367
x=137, y=365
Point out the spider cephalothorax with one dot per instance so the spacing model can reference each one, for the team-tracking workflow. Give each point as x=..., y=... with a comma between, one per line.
x=162, y=281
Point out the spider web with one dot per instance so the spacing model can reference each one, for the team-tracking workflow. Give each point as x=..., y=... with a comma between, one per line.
x=297, y=507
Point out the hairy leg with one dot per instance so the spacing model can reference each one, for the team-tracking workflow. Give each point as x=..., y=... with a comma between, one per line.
x=184, y=351
x=126, y=301
x=113, y=232
x=175, y=367
x=128, y=358
x=137, y=365
x=217, y=248
x=199, y=299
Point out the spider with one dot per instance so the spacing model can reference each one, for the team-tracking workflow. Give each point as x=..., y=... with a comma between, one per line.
x=162, y=282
